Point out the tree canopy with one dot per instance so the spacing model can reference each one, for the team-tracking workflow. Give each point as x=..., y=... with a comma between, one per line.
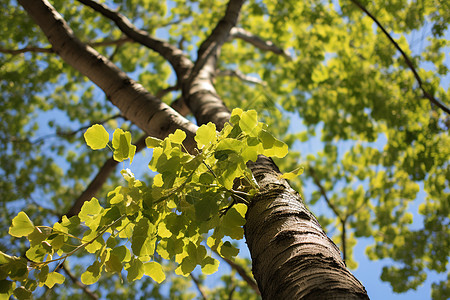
x=350, y=99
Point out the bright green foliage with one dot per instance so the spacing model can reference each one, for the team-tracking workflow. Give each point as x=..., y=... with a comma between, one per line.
x=171, y=219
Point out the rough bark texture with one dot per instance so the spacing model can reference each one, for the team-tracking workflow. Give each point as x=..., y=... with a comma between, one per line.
x=292, y=256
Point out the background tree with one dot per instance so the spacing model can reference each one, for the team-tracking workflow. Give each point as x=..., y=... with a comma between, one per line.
x=380, y=117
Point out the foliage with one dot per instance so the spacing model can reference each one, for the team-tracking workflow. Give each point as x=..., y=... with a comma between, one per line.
x=187, y=202
x=379, y=150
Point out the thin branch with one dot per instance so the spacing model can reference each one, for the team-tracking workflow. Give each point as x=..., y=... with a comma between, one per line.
x=199, y=286
x=242, y=272
x=161, y=93
x=218, y=36
x=426, y=94
x=241, y=76
x=343, y=220
x=179, y=61
x=85, y=289
x=120, y=41
x=258, y=42
x=344, y=240
x=26, y=49
x=324, y=193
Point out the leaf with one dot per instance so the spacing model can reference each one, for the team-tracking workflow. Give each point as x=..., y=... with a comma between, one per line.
x=135, y=270
x=92, y=274
x=205, y=135
x=6, y=289
x=272, y=146
x=209, y=265
x=122, y=145
x=177, y=137
x=155, y=271
x=152, y=142
x=233, y=221
x=22, y=293
x=248, y=121
x=293, y=174
x=227, y=250
x=21, y=225
x=96, y=137
x=89, y=213
x=54, y=278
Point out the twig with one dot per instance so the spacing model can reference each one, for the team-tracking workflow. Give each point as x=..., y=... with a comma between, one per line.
x=242, y=272
x=324, y=193
x=406, y=58
x=85, y=289
x=241, y=76
x=50, y=49
x=258, y=42
x=198, y=285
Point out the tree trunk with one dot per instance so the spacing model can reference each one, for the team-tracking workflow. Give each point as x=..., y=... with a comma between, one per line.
x=292, y=257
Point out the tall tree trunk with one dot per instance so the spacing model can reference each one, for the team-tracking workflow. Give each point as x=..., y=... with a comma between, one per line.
x=292, y=256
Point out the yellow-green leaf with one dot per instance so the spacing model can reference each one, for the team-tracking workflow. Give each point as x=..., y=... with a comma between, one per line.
x=155, y=271
x=54, y=278
x=293, y=174
x=96, y=137
x=21, y=225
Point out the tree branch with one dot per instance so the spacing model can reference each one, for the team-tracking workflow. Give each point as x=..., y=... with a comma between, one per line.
x=218, y=36
x=179, y=61
x=258, y=42
x=324, y=193
x=85, y=289
x=241, y=271
x=26, y=49
x=409, y=63
x=136, y=104
x=199, y=286
x=241, y=76
x=120, y=41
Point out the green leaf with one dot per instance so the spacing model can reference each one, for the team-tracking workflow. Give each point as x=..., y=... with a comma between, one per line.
x=96, y=137
x=152, y=142
x=233, y=221
x=227, y=250
x=22, y=294
x=92, y=274
x=293, y=174
x=6, y=289
x=135, y=270
x=206, y=134
x=209, y=265
x=177, y=137
x=90, y=212
x=272, y=146
x=155, y=271
x=122, y=145
x=54, y=278
x=142, y=243
x=248, y=121
x=21, y=225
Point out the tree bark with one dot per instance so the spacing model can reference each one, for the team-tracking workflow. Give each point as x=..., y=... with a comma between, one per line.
x=292, y=257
